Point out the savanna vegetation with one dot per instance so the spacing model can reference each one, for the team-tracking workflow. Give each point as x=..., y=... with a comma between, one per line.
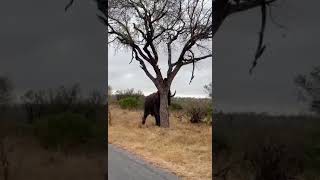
x=250, y=145
x=263, y=147
x=184, y=149
x=52, y=133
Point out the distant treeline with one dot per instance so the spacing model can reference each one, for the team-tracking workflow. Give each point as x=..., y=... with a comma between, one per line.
x=39, y=103
x=138, y=94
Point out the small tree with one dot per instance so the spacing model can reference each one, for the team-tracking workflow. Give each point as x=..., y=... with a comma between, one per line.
x=96, y=98
x=5, y=90
x=144, y=26
x=310, y=84
x=28, y=100
x=208, y=89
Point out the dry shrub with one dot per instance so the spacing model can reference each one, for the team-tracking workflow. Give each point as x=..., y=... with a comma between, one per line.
x=274, y=161
x=197, y=111
x=63, y=130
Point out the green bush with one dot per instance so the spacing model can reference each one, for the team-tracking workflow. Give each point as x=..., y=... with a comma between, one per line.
x=122, y=94
x=175, y=106
x=129, y=103
x=63, y=130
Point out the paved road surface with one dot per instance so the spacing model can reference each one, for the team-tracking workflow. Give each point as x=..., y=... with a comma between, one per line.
x=125, y=166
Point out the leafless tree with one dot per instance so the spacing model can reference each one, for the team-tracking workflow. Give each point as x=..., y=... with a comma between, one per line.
x=310, y=85
x=144, y=26
x=6, y=89
x=96, y=98
x=208, y=89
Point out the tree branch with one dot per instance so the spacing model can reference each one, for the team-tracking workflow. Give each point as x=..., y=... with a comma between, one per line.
x=69, y=5
x=142, y=65
x=193, y=65
x=174, y=73
x=169, y=59
x=141, y=32
x=261, y=47
x=194, y=60
x=246, y=5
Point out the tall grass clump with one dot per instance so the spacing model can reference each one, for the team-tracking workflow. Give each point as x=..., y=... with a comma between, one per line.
x=209, y=114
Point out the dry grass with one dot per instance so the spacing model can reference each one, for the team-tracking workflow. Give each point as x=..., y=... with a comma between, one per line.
x=28, y=160
x=184, y=148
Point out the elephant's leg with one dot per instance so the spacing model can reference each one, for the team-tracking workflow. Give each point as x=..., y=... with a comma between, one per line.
x=145, y=115
x=157, y=117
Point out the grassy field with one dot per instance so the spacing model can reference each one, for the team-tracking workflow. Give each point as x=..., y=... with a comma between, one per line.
x=29, y=160
x=184, y=149
x=264, y=147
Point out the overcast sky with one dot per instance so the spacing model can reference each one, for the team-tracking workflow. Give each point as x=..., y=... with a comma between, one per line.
x=42, y=46
x=271, y=87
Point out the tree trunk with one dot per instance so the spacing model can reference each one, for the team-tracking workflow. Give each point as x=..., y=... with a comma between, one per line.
x=164, y=108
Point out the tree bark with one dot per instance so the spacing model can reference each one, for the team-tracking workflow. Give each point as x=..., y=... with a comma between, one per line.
x=164, y=108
